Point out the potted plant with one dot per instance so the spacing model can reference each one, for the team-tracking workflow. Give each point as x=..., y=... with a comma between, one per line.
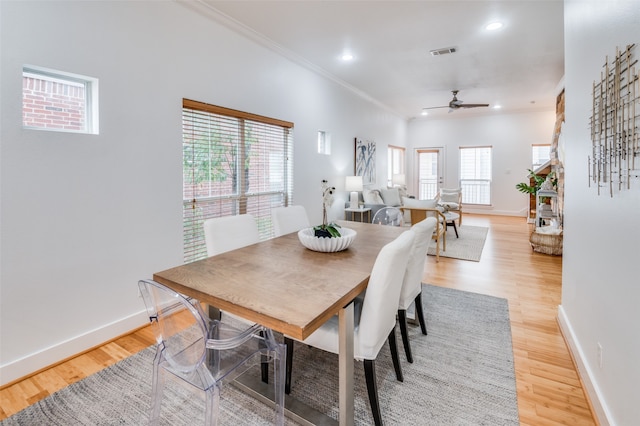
x=538, y=183
x=328, y=230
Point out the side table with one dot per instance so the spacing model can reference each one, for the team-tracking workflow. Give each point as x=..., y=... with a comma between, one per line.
x=362, y=211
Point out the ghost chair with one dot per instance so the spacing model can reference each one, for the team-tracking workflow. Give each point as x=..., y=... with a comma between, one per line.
x=205, y=353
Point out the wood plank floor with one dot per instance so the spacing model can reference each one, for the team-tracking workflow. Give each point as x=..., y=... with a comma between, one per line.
x=549, y=390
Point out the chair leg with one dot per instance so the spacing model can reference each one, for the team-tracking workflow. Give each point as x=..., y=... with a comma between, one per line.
x=157, y=388
x=212, y=406
x=420, y=313
x=402, y=319
x=289, y=367
x=394, y=355
x=372, y=390
x=279, y=369
x=264, y=364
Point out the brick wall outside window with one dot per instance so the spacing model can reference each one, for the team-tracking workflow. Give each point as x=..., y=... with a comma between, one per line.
x=52, y=104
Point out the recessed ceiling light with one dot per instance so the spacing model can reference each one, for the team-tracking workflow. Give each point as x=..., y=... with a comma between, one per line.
x=347, y=56
x=424, y=112
x=497, y=106
x=493, y=26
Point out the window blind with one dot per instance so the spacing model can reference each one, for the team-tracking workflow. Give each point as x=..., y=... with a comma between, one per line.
x=475, y=174
x=233, y=163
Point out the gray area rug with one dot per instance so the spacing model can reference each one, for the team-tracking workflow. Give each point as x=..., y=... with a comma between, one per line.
x=462, y=375
x=468, y=246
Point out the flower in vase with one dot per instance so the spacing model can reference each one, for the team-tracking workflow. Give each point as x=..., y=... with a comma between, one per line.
x=329, y=230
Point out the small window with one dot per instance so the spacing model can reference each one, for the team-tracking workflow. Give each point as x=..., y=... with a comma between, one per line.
x=59, y=101
x=324, y=142
x=540, y=154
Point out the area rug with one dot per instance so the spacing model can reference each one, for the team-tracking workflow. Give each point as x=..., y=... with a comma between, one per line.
x=462, y=374
x=468, y=246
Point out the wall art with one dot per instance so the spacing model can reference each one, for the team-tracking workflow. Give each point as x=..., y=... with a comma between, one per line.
x=366, y=161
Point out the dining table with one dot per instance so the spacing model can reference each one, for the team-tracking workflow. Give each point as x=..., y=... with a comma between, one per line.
x=290, y=289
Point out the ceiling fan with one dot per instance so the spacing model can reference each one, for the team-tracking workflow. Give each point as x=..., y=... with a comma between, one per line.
x=456, y=104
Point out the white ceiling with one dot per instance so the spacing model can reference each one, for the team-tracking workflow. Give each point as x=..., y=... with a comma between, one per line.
x=518, y=67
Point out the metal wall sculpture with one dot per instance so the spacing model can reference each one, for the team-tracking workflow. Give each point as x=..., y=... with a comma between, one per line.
x=615, y=122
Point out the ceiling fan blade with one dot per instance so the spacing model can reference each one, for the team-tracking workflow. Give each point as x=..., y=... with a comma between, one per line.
x=444, y=106
x=472, y=105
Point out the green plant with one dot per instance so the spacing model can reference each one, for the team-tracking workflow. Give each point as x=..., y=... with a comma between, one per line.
x=329, y=230
x=538, y=180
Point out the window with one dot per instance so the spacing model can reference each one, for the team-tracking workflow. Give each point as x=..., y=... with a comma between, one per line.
x=475, y=175
x=395, y=163
x=540, y=154
x=233, y=163
x=59, y=101
x=324, y=143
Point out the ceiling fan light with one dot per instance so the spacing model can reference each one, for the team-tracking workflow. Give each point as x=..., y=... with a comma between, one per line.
x=493, y=26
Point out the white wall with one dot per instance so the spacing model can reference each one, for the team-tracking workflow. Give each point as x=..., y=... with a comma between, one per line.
x=601, y=288
x=83, y=217
x=510, y=135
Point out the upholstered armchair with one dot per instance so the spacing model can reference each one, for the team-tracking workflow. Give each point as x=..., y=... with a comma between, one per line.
x=451, y=200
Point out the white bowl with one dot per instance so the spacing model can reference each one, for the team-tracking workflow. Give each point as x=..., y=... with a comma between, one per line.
x=325, y=244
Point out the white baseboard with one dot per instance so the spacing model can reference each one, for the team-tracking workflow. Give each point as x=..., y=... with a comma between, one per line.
x=601, y=411
x=49, y=356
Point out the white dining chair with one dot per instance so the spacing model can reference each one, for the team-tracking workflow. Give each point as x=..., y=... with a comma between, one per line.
x=289, y=219
x=374, y=323
x=411, y=291
x=205, y=353
x=226, y=233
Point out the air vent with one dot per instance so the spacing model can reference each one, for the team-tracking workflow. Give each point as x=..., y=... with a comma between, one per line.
x=445, y=51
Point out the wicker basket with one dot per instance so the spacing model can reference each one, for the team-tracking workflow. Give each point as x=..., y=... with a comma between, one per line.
x=546, y=243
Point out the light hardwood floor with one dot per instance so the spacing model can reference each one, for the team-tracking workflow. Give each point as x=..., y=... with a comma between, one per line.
x=549, y=390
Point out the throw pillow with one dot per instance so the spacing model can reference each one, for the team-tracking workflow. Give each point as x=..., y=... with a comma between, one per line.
x=449, y=197
x=419, y=204
x=391, y=196
x=372, y=196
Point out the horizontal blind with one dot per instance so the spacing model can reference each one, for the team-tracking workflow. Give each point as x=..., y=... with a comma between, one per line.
x=233, y=163
x=475, y=174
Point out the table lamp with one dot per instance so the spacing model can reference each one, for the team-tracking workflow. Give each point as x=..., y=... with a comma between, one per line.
x=353, y=184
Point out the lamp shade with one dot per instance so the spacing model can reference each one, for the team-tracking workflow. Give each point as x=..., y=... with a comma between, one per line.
x=398, y=179
x=353, y=183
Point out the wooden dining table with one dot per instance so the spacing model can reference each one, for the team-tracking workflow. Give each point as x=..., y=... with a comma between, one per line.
x=288, y=288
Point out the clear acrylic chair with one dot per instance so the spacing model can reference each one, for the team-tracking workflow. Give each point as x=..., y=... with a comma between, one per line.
x=412, y=283
x=374, y=320
x=289, y=219
x=391, y=216
x=205, y=353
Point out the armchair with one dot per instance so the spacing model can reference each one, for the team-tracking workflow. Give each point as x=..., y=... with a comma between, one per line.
x=451, y=199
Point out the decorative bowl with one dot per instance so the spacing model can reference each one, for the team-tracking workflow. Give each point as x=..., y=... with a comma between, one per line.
x=324, y=244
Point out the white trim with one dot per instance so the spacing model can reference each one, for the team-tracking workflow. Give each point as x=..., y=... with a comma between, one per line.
x=210, y=11
x=601, y=411
x=48, y=356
